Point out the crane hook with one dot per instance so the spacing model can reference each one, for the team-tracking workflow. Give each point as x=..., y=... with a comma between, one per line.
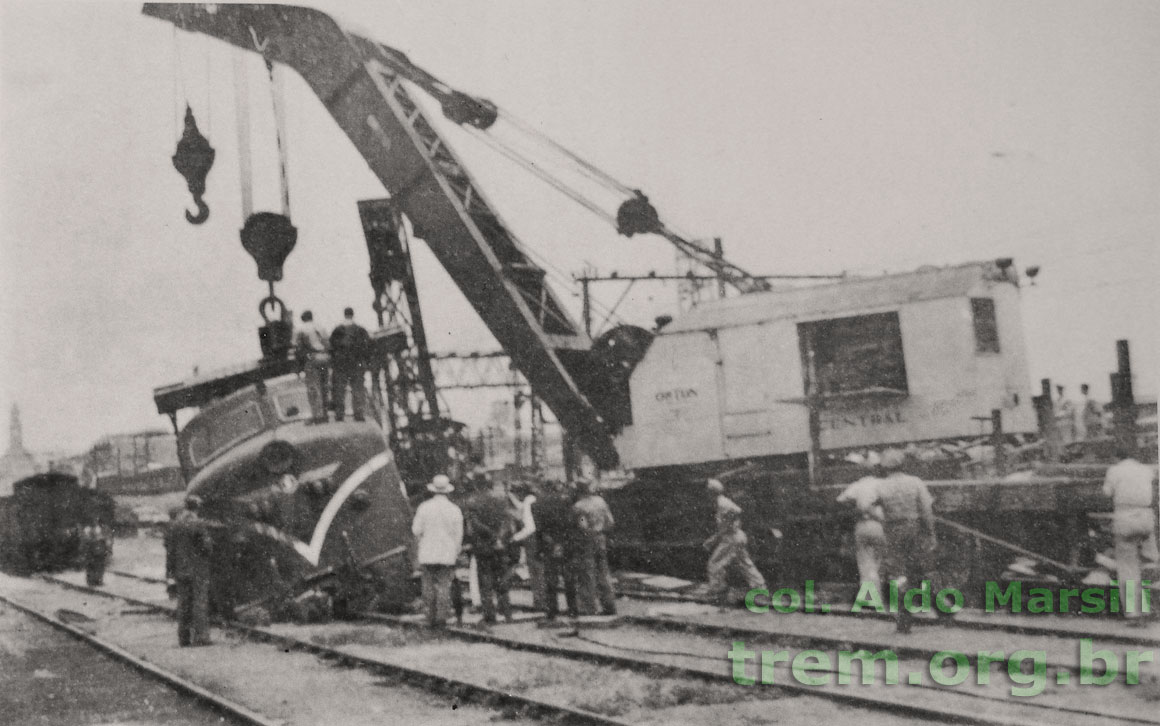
x=202, y=211
x=193, y=160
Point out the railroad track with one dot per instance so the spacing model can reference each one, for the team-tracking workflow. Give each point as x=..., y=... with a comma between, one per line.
x=460, y=690
x=967, y=621
x=228, y=709
x=925, y=702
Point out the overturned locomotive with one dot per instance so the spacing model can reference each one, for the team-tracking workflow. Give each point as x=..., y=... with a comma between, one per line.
x=302, y=504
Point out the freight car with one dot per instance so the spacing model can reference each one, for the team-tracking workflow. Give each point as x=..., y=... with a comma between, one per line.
x=301, y=503
x=40, y=523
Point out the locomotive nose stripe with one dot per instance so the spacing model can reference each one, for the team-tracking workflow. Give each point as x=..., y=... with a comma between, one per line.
x=314, y=551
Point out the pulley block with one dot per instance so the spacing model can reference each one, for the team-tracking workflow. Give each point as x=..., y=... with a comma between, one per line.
x=193, y=160
x=277, y=335
x=637, y=216
x=269, y=238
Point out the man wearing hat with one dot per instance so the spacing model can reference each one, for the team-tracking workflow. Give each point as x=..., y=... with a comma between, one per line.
x=350, y=347
x=729, y=547
x=869, y=537
x=438, y=530
x=908, y=521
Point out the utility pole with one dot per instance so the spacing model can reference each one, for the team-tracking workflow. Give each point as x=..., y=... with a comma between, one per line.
x=719, y=253
x=1123, y=400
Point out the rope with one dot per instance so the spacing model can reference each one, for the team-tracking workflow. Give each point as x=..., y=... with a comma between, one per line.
x=278, y=93
x=544, y=176
x=242, y=109
x=592, y=171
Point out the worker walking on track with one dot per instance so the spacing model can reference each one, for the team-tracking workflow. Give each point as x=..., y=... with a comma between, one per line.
x=188, y=548
x=729, y=546
x=869, y=535
x=594, y=579
x=310, y=349
x=438, y=530
x=1133, y=489
x=908, y=522
x=350, y=346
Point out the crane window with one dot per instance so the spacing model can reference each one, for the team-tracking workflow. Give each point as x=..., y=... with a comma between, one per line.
x=986, y=327
x=855, y=355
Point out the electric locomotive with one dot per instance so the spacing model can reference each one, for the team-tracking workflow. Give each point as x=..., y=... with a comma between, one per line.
x=296, y=504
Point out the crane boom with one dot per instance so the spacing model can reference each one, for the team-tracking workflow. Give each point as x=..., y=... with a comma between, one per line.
x=361, y=84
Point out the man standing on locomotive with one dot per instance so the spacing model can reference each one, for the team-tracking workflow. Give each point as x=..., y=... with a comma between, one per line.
x=438, y=530
x=350, y=346
x=310, y=348
x=188, y=545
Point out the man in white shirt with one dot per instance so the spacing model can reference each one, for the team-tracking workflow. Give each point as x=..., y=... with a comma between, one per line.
x=438, y=530
x=869, y=537
x=310, y=348
x=1132, y=487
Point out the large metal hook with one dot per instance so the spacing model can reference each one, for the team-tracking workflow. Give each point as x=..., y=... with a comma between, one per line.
x=193, y=160
x=202, y=211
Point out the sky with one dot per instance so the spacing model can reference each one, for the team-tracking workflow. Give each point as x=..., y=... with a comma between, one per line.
x=813, y=137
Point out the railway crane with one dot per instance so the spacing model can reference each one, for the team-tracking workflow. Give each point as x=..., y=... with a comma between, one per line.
x=765, y=386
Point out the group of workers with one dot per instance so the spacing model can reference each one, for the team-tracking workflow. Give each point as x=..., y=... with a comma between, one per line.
x=895, y=539
x=1081, y=420
x=561, y=530
x=342, y=357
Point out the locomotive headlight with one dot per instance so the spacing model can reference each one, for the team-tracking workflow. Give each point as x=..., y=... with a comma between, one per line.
x=278, y=458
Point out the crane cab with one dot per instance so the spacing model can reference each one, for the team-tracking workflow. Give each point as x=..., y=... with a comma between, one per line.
x=881, y=361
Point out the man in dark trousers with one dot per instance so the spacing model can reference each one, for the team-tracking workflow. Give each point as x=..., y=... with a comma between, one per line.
x=188, y=545
x=350, y=346
x=594, y=579
x=489, y=527
x=95, y=548
x=908, y=521
x=558, y=532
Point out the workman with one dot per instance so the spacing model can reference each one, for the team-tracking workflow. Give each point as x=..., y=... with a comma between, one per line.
x=438, y=530
x=524, y=497
x=96, y=546
x=350, y=346
x=311, y=351
x=908, y=521
x=729, y=547
x=558, y=533
x=188, y=549
x=594, y=579
x=1091, y=415
x=489, y=527
x=869, y=535
x=1133, y=489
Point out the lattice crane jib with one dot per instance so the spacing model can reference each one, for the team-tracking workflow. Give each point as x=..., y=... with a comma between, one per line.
x=361, y=83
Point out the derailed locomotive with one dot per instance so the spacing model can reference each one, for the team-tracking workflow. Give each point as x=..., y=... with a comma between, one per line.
x=41, y=522
x=297, y=504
